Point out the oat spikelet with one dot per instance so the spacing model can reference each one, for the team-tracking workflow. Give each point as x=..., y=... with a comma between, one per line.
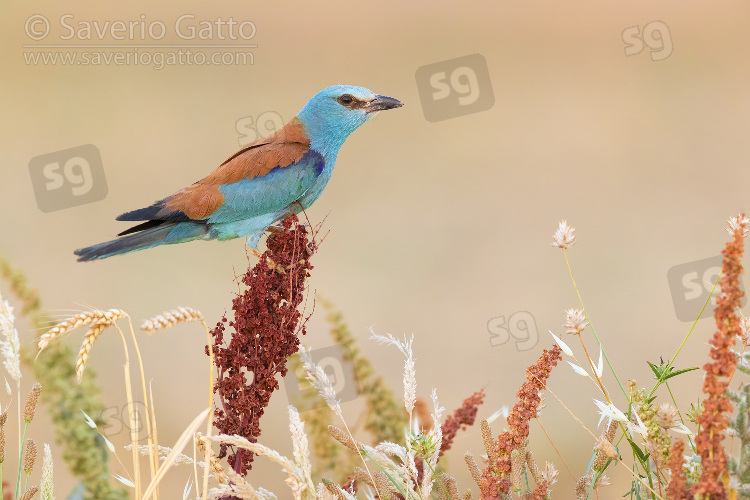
x=85, y=318
x=88, y=343
x=29, y=457
x=31, y=401
x=30, y=493
x=168, y=319
x=476, y=474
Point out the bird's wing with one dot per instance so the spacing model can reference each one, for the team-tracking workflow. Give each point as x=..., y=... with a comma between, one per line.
x=265, y=176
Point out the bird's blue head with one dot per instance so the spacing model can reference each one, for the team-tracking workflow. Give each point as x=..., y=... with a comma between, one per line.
x=335, y=112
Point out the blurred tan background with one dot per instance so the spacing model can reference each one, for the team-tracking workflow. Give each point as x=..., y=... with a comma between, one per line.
x=435, y=228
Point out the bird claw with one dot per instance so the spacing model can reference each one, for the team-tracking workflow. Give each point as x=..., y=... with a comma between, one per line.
x=273, y=266
x=280, y=229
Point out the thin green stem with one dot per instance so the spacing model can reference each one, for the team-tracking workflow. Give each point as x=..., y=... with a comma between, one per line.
x=591, y=325
x=442, y=486
x=20, y=459
x=18, y=406
x=679, y=413
x=665, y=372
x=393, y=481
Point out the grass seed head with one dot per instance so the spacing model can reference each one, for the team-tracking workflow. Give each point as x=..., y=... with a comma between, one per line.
x=170, y=318
x=29, y=457
x=564, y=237
x=85, y=318
x=31, y=401
x=88, y=343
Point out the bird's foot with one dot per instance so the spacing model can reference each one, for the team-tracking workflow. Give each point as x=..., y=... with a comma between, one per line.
x=269, y=262
x=280, y=229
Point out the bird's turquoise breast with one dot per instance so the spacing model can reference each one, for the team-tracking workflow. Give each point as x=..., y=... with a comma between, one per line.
x=251, y=205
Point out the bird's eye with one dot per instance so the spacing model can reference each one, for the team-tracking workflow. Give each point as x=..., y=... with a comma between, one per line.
x=346, y=100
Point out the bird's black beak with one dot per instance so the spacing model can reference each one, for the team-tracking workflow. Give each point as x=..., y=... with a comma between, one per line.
x=382, y=102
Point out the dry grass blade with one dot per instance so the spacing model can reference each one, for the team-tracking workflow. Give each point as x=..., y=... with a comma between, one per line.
x=184, y=439
x=170, y=318
x=85, y=318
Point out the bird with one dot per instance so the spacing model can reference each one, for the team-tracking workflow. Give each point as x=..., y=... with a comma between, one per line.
x=259, y=184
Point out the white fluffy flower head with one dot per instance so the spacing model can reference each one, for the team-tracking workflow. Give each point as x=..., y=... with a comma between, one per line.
x=564, y=237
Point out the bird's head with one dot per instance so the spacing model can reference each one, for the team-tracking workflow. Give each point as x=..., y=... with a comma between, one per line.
x=337, y=111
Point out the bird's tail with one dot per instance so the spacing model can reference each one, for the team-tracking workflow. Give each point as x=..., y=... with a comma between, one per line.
x=166, y=233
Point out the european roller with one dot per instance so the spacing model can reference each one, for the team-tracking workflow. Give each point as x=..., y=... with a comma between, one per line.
x=258, y=185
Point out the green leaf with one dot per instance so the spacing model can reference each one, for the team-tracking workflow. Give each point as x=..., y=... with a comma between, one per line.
x=663, y=373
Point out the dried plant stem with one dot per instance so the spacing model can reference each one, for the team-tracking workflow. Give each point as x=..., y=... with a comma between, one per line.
x=153, y=423
x=209, y=425
x=195, y=463
x=591, y=364
x=187, y=435
x=632, y=472
x=132, y=423
x=364, y=462
x=153, y=457
x=539, y=421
